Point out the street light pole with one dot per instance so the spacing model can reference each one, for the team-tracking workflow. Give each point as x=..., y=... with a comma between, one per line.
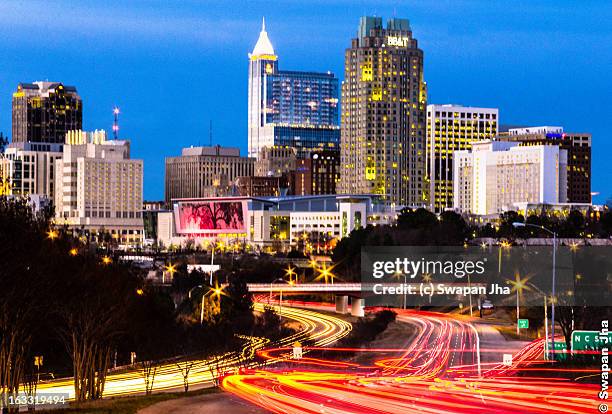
x=553, y=298
x=554, y=276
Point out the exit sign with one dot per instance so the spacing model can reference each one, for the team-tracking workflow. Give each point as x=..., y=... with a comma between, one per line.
x=589, y=340
x=523, y=323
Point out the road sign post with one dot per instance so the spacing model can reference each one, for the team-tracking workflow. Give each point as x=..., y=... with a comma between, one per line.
x=588, y=340
x=297, y=350
x=507, y=361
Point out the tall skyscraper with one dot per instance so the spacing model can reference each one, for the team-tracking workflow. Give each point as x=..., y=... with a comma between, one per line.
x=289, y=108
x=452, y=128
x=578, y=147
x=383, y=119
x=45, y=111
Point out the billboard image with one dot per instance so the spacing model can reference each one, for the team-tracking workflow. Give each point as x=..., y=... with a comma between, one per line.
x=195, y=217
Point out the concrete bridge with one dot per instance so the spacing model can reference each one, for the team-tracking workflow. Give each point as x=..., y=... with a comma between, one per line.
x=342, y=292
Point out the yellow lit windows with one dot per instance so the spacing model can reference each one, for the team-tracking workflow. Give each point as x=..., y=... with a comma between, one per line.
x=376, y=94
x=366, y=72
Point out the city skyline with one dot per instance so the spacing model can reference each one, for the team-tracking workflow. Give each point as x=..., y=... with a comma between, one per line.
x=147, y=80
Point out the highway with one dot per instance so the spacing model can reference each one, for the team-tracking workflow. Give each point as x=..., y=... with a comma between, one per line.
x=439, y=372
x=317, y=328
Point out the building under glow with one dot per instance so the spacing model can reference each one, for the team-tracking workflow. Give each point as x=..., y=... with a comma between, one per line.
x=99, y=188
x=578, y=147
x=45, y=112
x=289, y=108
x=495, y=176
x=452, y=128
x=276, y=222
x=384, y=114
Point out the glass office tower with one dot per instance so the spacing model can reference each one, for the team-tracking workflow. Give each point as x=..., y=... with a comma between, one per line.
x=289, y=108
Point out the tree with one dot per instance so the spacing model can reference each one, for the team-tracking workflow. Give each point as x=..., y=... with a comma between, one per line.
x=23, y=290
x=453, y=228
x=506, y=228
x=93, y=310
x=185, y=368
x=416, y=219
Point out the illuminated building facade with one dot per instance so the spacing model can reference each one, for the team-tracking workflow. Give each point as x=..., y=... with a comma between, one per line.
x=205, y=172
x=494, y=176
x=317, y=174
x=45, y=112
x=276, y=222
x=578, y=147
x=28, y=169
x=384, y=114
x=289, y=108
x=452, y=128
x=99, y=188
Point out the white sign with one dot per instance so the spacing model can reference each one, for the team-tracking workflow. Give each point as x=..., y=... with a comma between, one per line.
x=204, y=268
x=508, y=360
x=400, y=41
x=297, y=350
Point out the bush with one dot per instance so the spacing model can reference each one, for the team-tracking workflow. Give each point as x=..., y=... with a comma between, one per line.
x=367, y=329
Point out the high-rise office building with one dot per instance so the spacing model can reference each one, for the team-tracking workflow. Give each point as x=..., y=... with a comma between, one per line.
x=45, y=112
x=289, y=108
x=384, y=114
x=452, y=128
x=99, y=188
x=205, y=172
x=578, y=147
x=495, y=176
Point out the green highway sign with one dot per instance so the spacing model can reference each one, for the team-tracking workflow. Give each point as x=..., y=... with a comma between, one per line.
x=559, y=346
x=523, y=323
x=589, y=340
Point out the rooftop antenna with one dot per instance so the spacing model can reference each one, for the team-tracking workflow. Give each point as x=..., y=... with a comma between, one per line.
x=116, y=122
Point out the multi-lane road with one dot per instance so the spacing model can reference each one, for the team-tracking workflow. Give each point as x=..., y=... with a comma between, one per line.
x=317, y=328
x=444, y=369
x=439, y=372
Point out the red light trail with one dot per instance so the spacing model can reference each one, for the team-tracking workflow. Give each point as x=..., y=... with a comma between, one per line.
x=437, y=373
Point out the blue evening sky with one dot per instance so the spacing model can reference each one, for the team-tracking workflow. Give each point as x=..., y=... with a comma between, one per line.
x=172, y=66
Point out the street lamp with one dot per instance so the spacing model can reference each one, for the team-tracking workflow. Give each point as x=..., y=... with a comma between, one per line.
x=169, y=268
x=280, y=299
x=325, y=272
x=554, y=275
x=518, y=285
x=290, y=272
x=52, y=234
x=216, y=291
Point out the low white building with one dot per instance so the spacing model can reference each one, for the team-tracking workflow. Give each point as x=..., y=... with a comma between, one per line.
x=267, y=221
x=495, y=175
x=99, y=188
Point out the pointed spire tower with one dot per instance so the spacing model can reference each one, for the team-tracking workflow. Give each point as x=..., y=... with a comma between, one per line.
x=263, y=48
x=263, y=65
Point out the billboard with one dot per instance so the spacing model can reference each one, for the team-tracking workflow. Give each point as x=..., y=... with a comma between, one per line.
x=207, y=216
